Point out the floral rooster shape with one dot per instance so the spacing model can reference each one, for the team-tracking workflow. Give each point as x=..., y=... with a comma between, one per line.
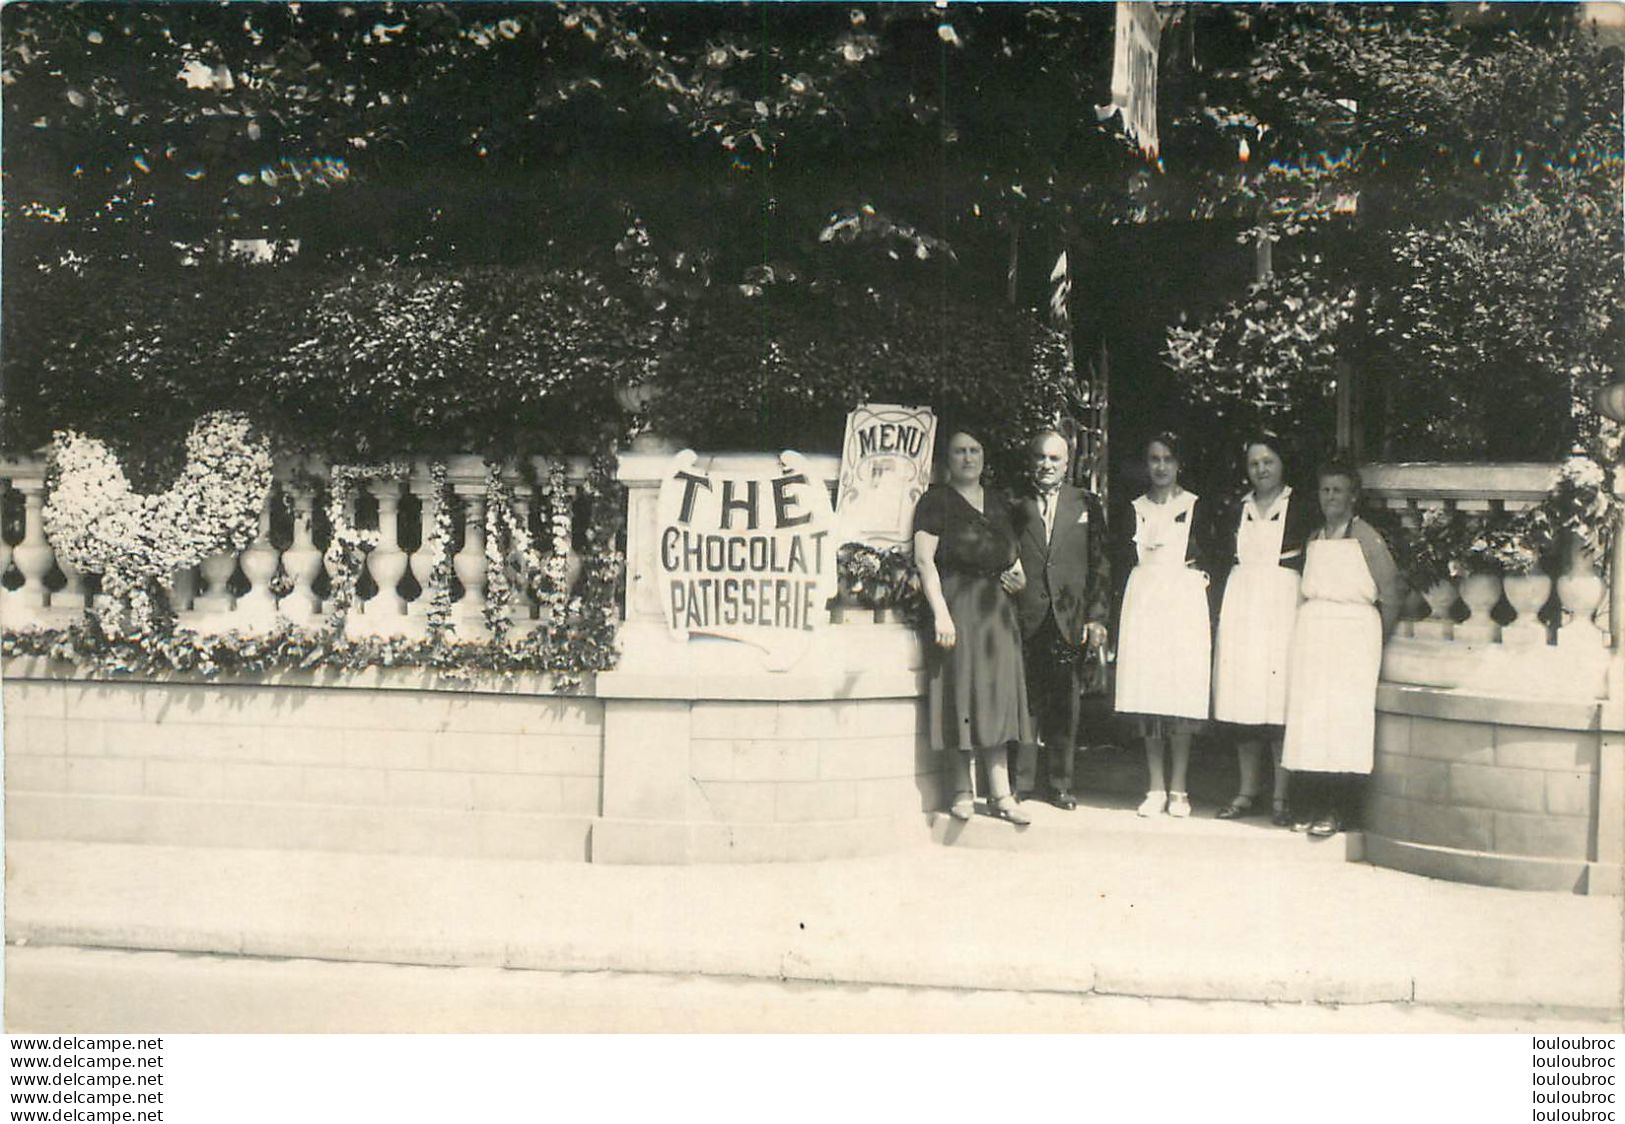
x=98, y=525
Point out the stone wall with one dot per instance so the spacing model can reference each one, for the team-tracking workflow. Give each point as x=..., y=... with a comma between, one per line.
x=706, y=780
x=378, y=761
x=1506, y=792
x=652, y=768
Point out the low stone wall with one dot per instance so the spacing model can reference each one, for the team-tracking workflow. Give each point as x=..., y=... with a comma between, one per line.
x=381, y=761
x=706, y=762
x=1522, y=793
x=667, y=766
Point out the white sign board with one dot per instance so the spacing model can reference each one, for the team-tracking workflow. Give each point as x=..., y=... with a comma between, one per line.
x=885, y=468
x=746, y=556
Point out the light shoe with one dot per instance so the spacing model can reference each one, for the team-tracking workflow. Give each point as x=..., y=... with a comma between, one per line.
x=1007, y=808
x=1179, y=805
x=1153, y=804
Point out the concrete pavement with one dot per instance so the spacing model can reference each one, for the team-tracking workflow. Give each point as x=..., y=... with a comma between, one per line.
x=105, y=991
x=1118, y=921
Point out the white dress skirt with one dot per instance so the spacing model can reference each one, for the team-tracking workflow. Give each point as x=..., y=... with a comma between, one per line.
x=1336, y=661
x=1164, y=644
x=1250, y=666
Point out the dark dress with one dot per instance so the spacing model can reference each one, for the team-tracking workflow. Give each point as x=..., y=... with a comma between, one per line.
x=978, y=688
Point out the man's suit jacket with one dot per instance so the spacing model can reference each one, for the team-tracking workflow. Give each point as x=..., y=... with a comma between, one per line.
x=1067, y=575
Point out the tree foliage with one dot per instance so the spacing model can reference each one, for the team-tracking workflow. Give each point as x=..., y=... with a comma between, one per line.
x=371, y=360
x=1475, y=163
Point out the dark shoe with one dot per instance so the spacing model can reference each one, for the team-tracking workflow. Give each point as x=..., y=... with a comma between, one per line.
x=1006, y=808
x=1282, y=816
x=1063, y=800
x=1239, y=808
x=1325, y=827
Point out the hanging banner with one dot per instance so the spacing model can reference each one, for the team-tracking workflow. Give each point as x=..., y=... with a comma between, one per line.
x=1134, y=73
x=747, y=556
x=885, y=468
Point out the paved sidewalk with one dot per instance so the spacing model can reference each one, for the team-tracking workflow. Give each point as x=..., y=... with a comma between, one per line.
x=1109, y=923
x=115, y=991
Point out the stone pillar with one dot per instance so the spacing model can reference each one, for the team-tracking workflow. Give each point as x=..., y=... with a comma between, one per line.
x=715, y=753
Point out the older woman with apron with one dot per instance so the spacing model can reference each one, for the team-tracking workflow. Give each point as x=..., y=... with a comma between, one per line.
x=1352, y=592
x=1165, y=637
x=1255, y=622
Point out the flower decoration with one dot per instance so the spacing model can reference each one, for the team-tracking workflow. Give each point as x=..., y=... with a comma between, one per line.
x=1509, y=544
x=878, y=579
x=349, y=545
x=1582, y=503
x=579, y=638
x=98, y=525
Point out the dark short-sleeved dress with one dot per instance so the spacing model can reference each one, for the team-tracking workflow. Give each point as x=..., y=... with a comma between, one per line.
x=978, y=688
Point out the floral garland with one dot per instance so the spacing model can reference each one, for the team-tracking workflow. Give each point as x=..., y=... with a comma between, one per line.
x=588, y=630
x=349, y=545
x=556, y=589
x=579, y=640
x=508, y=537
x=437, y=545
x=505, y=536
x=98, y=525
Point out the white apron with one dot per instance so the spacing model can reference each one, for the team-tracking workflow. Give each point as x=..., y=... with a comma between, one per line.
x=1163, y=640
x=1255, y=622
x=1336, y=659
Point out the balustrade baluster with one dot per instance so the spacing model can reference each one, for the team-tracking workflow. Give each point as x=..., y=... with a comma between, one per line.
x=33, y=556
x=216, y=571
x=420, y=563
x=1581, y=592
x=1441, y=601
x=1480, y=593
x=257, y=607
x=5, y=543
x=71, y=597
x=327, y=567
x=468, y=614
x=182, y=589
x=386, y=562
x=1527, y=594
x=302, y=561
x=576, y=476
x=524, y=610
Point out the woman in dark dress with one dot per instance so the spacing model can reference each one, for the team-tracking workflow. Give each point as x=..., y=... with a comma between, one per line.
x=963, y=542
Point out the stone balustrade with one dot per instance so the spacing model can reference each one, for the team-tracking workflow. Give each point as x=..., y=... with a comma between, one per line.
x=281, y=577
x=1523, y=634
x=1498, y=743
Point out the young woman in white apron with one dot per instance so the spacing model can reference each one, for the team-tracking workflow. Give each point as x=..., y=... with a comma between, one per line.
x=1250, y=665
x=1352, y=593
x=1164, y=639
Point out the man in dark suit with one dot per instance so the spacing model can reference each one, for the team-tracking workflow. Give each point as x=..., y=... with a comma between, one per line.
x=1062, y=588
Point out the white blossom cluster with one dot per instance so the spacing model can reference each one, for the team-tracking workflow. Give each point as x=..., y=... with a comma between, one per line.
x=99, y=526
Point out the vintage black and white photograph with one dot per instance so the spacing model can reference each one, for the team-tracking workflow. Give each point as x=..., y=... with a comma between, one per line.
x=866, y=517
